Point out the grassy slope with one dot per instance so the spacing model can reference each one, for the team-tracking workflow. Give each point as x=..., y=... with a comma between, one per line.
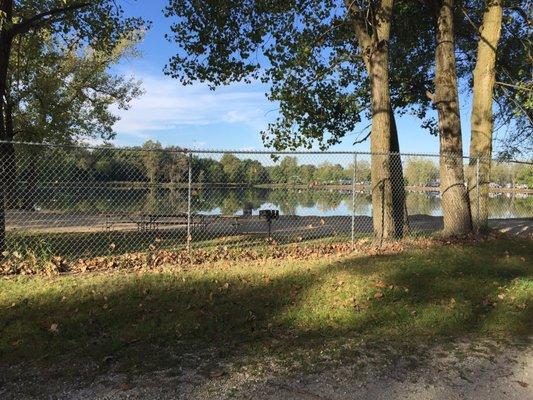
x=279, y=307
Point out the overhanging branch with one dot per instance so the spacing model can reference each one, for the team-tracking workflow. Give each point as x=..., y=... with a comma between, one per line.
x=43, y=17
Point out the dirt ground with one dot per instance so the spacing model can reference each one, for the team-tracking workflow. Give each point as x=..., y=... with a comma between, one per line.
x=213, y=226
x=464, y=370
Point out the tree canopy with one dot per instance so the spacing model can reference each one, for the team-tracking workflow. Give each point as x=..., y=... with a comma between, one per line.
x=77, y=40
x=61, y=94
x=304, y=49
x=310, y=55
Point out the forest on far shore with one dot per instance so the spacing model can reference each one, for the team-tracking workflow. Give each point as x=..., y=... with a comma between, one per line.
x=153, y=163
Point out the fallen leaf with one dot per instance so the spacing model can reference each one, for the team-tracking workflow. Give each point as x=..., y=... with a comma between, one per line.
x=378, y=295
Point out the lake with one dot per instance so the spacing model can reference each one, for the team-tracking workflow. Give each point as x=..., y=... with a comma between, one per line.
x=233, y=201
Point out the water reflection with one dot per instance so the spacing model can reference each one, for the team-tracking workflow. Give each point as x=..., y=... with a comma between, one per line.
x=233, y=201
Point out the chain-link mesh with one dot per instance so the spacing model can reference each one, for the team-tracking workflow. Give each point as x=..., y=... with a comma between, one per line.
x=81, y=202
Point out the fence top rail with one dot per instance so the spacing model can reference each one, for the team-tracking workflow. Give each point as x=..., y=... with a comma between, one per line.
x=192, y=151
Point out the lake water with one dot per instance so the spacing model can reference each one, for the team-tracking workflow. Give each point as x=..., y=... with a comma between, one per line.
x=233, y=201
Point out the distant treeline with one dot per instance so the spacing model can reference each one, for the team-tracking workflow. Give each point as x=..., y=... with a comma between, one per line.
x=152, y=163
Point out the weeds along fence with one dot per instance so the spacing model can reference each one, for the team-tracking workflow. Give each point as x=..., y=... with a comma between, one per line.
x=80, y=202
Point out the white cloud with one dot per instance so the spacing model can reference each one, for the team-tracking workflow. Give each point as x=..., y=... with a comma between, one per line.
x=243, y=116
x=167, y=105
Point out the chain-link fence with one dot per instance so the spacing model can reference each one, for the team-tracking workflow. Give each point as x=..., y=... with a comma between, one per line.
x=81, y=202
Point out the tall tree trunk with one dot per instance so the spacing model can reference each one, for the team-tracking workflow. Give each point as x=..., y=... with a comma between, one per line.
x=455, y=207
x=6, y=7
x=385, y=226
x=481, y=119
x=388, y=193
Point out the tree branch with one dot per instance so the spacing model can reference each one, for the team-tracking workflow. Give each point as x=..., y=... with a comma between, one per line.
x=359, y=24
x=38, y=19
x=363, y=139
x=517, y=87
x=383, y=20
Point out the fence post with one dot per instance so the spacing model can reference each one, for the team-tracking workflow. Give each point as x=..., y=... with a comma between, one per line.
x=478, y=196
x=353, y=197
x=189, y=192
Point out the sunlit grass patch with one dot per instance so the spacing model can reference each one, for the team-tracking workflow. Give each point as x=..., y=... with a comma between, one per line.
x=274, y=306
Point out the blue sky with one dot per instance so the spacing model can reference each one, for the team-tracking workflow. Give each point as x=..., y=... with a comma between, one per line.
x=230, y=117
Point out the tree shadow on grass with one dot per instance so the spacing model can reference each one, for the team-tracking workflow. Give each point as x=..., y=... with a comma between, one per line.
x=109, y=243
x=154, y=319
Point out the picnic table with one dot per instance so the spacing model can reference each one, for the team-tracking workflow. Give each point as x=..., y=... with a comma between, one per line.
x=152, y=221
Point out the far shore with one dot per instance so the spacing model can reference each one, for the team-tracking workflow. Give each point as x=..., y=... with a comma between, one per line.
x=125, y=185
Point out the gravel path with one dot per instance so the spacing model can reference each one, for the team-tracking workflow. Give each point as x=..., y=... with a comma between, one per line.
x=485, y=370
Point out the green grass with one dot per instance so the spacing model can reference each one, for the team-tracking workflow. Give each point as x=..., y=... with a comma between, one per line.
x=271, y=308
x=94, y=244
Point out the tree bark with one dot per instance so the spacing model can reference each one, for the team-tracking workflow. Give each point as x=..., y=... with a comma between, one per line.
x=380, y=145
x=6, y=39
x=481, y=118
x=455, y=204
x=388, y=192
